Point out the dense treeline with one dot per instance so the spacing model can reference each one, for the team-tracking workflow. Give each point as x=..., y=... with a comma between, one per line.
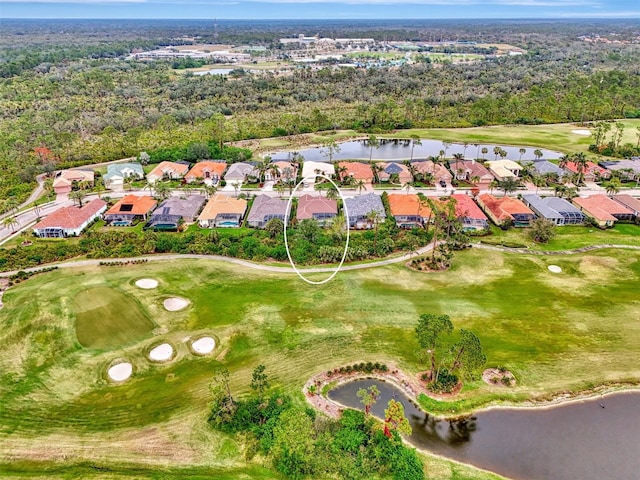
x=87, y=111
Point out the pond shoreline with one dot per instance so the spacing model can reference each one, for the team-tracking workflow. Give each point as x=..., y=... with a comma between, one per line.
x=412, y=389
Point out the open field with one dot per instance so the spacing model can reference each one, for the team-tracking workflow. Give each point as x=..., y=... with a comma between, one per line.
x=555, y=332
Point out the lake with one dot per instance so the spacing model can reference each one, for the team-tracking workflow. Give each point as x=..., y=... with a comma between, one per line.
x=401, y=150
x=578, y=440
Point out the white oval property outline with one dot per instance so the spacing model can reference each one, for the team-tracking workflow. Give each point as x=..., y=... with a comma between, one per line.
x=286, y=221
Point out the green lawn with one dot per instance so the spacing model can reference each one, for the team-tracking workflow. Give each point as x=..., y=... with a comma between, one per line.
x=555, y=332
x=107, y=318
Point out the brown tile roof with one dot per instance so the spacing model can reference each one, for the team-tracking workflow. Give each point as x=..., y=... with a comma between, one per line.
x=214, y=168
x=601, y=207
x=437, y=170
x=308, y=205
x=135, y=205
x=466, y=207
x=628, y=201
x=67, y=177
x=408, y=204
x=71, y=217
x=220, y=203
x=504, y=207
x=178, y=168
x=358, y=170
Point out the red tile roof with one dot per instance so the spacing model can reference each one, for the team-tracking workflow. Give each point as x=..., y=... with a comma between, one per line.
x=358, y=170
x=602, y=207
x=504, y=207
x=140, y=205
x=466, y=207
x=71, y=217
x=408, y=204
x=590, y=167
x=214, y=168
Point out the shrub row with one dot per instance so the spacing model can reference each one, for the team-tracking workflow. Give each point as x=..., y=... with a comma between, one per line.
x=122, y=263
x=368, y=367
x=22, y=275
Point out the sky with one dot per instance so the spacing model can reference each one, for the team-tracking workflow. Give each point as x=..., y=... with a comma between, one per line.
x=320, y=9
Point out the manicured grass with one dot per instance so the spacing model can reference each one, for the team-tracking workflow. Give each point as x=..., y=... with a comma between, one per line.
x=555, y=332
x=107, y=318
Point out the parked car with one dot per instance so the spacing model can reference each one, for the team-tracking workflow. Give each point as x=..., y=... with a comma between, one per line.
x=443, y=184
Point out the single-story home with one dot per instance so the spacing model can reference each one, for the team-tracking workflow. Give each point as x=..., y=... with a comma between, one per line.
x=591, y=172
x=241, y=172
x=359, y=209
x=167, y=171
x=69, y=221
x=630, y=202
x=632, y=165
x=118, y=172
x=468, y=170
x=174, y=211
x=311, y=169
x=286, y=171
x=357, y=171
x=265, y=208
x=604, y=211
x=129, y=209
x=545, y=167
x=319, y=208
x=505, y=209
x=408, y=210
x=208, y=171
x=223, y=211
x=558, y=210
x=469, y=213
x=503, y=169
x=440, y=172
x=395, y=168
x=67, y=179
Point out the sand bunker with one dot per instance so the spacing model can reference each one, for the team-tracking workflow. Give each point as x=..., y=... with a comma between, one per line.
x=203, y=345
x=554, y=268
x=173, y=304
x=147, y=283
x=120, y=372
x=161, y=353
x=586, y=133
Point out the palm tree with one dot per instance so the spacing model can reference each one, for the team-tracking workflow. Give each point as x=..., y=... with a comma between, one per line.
x=475, y=179
x=415, y=140
x=330, y=149
x=508, y=185
x=376, y=168
x=564, y=161
x=522, y=152
x=484, y=151
x=373, y=143
x=360, y=186
x=581, y=165
x=280, y=188
x=503, y=153
x=10, y=222
x=465, y=145
x=210, y=190
x=496, y=152
x=162, y=190
x=458, y=157
x=407, y=186
x=537, y=153
x=77, y=196
x=373, y=217
x=273, y=170
x=492, y=185
x=446, y=146
x=613, y=186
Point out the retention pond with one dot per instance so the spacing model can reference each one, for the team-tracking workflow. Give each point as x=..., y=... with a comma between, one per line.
x=590, y=439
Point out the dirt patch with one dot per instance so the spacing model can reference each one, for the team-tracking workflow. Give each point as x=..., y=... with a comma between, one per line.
x=174, y=304
x=147, y=283
x=498, y=377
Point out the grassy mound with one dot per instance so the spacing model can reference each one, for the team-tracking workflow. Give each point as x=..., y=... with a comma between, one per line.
x=107, y=318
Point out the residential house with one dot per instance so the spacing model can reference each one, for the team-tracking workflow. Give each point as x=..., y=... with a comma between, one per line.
x=357, y=171
x=311, y=169
x=503, y=169
x=118, y=172
x=69, y=221
x=285, y=171
x=468, y=170
x=545, y=167
x=67, y=179
x=208, y=171
x=506, y=209
x=319, y=208
x=129, y=209
x=265, y=208
x=408, y=210
x=223, y=211
x=469, y=213
x=554, y=209
x=175, y=211
x=440, y=172
x=604, y=211
x=630, y=202
x=630, y=167
x=395, y=168
x=241, y=172
x=167, y=171
x=359, y=209
x=591, y=172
